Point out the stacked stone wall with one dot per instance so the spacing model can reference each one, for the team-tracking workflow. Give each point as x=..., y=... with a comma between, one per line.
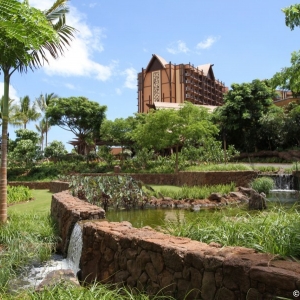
x=66, y=211
x=157, y=262
x=38, y=185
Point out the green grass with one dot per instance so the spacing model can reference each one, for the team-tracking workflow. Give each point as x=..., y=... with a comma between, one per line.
x=40, y=204
x=190, y=192
x=219, y=167
x=276, y=231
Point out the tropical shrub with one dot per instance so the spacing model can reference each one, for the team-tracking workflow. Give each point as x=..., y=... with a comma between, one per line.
x=262, y=184
x=17, y=194
x=108, y=191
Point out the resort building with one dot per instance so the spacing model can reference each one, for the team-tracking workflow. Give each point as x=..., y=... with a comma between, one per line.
x=166, y=85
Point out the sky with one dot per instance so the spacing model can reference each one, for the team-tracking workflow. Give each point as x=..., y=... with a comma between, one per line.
x=245, y=40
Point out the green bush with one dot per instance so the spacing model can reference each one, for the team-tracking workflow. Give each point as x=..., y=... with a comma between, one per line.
x=17, y=194
x=262, y=184
x=193, y=192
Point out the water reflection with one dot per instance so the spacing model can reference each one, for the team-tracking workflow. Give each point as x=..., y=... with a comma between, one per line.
x=152, y=217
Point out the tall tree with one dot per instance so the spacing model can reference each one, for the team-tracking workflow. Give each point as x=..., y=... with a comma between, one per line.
x=239, y=117
x=43, y=102
x=42, y=128
x=27, y=112
x=26, y=36
x=169, y=128
x=12, y=112
x=80, y=116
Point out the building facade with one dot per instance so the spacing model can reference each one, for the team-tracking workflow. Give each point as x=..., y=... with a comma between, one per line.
x=165, y=82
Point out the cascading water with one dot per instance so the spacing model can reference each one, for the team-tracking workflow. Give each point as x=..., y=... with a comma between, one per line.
x=284, y=182
x=284, y=189
x=34, y=274
x=74, y=249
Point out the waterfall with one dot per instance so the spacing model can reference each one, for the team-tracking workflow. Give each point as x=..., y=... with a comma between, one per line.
x=75, y=248
x=34, y=273
x=284, y=189
x=284, y=182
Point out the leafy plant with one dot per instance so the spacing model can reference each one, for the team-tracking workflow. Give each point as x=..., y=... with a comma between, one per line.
x=262, y=184
x=17, y=194
x=117, y=191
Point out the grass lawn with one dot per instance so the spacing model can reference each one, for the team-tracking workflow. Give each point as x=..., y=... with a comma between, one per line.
x=40, y=204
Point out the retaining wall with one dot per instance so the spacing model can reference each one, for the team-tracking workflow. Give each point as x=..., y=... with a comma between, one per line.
x=38, y=185
x=240, y=178
x=153, y=261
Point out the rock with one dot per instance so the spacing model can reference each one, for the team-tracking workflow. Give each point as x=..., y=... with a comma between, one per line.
x=245, y=191
x=56, y=277
x=215, y=197
x=257, y=201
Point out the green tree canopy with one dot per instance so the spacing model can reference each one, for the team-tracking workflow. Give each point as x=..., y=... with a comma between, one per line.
x=77, y=114
x=26, y=35
x=168, y=128
x=239, y=117
x=292, y=16
x=289, y=77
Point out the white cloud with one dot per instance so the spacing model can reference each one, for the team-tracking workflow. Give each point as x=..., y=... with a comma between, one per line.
x=70, y=86
x=118, y=91
x=93, y=4
x=131, y=78
x=178, y=47
x=13, y=94
x=207, y=43
x=77, y=59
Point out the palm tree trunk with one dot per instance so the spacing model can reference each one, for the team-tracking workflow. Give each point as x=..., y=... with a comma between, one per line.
x=46, y=133
x=3, y=171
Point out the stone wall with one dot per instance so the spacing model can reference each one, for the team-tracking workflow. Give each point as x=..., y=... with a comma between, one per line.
x=241, y=178
x=66, y=211
x=38, y=185
x=58, y=186
x=153, y=261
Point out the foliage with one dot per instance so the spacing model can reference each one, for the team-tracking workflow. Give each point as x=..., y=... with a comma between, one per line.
x=105, y=191
x=292, y=16
x=17, y=194
x=26, y=112
x=262, y=184
x=272, y=131
x=239, y=117
x=289, y=77
x=169, y=128
x=194, y=192
x=94, y=292
x=55, y=149
x=209, y=152
x=219, y=167
x=104, y=152
x=80, y=116
x=276, y=231
x=25, y=242
x=24, y=151
x=25, y=34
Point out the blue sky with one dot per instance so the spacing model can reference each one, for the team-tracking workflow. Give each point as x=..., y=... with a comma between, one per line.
x=244, y=40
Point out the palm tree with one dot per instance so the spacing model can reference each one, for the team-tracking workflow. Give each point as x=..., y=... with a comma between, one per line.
x=25, y=40
x=42, y=128
x=43, y=102
x=12, y=112
x=27, y=112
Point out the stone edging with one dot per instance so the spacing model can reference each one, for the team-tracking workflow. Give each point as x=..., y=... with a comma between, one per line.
x=154, y=261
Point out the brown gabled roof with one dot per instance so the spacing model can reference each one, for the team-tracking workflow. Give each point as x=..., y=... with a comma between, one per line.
x=207, y=70
x=161, y=60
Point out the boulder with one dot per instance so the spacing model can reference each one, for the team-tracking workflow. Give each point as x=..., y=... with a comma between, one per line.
x=257, y=201
x=58, y=277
